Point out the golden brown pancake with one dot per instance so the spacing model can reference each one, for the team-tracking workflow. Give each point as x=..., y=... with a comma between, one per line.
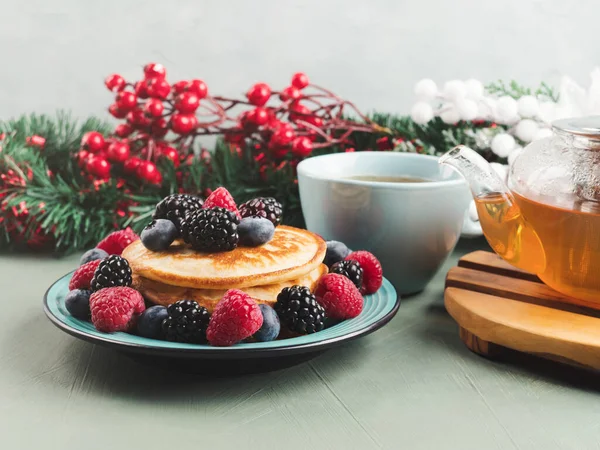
x=164, y=294
x=291, y=253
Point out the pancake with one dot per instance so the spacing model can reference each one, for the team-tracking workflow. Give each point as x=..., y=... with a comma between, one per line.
x=163, y=294
x=291, y=253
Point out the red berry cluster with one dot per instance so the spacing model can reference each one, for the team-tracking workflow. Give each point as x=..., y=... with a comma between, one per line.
x=162, y=120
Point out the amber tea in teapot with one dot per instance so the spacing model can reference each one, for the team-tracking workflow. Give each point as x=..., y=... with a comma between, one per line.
x=571, y=240
x=546, y=220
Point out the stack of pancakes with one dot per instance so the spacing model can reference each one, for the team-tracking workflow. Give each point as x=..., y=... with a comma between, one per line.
x=292, y=257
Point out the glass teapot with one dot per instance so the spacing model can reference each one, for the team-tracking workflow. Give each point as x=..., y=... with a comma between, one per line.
x=546, y=219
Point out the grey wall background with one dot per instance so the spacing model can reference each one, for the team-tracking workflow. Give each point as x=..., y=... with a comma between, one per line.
x=56, y=53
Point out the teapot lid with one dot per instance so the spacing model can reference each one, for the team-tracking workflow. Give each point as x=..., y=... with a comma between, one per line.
x=580, y=126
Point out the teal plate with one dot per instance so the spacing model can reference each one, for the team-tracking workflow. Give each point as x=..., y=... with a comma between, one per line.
x=378, y=310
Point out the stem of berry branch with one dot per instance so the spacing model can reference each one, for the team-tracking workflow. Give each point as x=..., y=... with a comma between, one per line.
x=344, y=102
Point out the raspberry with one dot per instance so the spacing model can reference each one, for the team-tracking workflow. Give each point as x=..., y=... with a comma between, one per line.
x=222, y=198
x=115, y=242
x=236, y=317
x=82, y=277
x=372, y=271
x=116, y=309
x=339, y=296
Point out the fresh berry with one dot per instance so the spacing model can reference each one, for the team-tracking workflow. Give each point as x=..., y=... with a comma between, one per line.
x=115, y=82
x=116, y=112
x=187, y=102
x=266, y=207
x=259, y=94
x=302, y=146
x=77, y=303
x=126, y=100
x=111, y=272
x=257, y=117
x=155, y=70
x=82, y=277
x=299, y=311
x=137, y=118
x=270, y=327
x=282, y=137
x=158, y=88
x=118, y=151
x=290, y=93
x=339, y=296
x=116, y=309
x=131, y=165
x=235, y=318
x=186, y=322
x=116, y=242
x=171, y=154
x=336, y=251
x=159, y=235
x=300, y=80
x=93, y=141
x=98, y=166
x=147, y=171
x=92, y=255
x=199, y=88
x=154, y=107
x=255, y=231
x=175, y=207
x=350, y=269
x=149, y=325
x=222, y=198
x=211, y=230
x=183, y=123
x=141, y=89
x=372, y=271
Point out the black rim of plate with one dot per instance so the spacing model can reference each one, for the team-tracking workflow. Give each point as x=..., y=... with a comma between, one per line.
x=227, y=352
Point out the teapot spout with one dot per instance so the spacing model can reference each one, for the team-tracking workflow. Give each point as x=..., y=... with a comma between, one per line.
x=482, y=178
x=503, y=225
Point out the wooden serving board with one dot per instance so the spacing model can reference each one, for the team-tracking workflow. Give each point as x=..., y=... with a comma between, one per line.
x=498, y=306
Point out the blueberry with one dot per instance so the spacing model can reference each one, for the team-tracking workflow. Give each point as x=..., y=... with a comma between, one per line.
x=77, y=303
x=158, y=235
x=270, y=327
x=92, y=255
x=149, y=323
x=336, y=252
x=255, y=231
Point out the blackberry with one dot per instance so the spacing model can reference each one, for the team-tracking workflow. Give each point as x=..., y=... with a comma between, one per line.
x=299, y=311
x=186, y=322
x=211, y=230
x=111, y=272
x=266, y=207
x=350, y=269
x=175, y=207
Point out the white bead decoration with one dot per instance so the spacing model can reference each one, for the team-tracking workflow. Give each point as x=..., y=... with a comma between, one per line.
x=526, y=130
x=467, y=109
x=455, y=90
x=528, y=106
x=506, y=110
x=474, y=88
x=450, y=115
x=421, y=113
x=426, y=89
x=503, y=144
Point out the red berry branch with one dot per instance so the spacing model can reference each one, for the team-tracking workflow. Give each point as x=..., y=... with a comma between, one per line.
x=163, y=120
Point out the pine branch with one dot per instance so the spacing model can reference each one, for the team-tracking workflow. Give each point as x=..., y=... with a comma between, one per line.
x=516, y=91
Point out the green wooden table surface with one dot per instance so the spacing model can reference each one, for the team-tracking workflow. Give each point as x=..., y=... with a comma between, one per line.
x=411, y=385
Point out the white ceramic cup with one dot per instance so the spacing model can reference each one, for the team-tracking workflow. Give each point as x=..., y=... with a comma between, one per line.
x=411, y=227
